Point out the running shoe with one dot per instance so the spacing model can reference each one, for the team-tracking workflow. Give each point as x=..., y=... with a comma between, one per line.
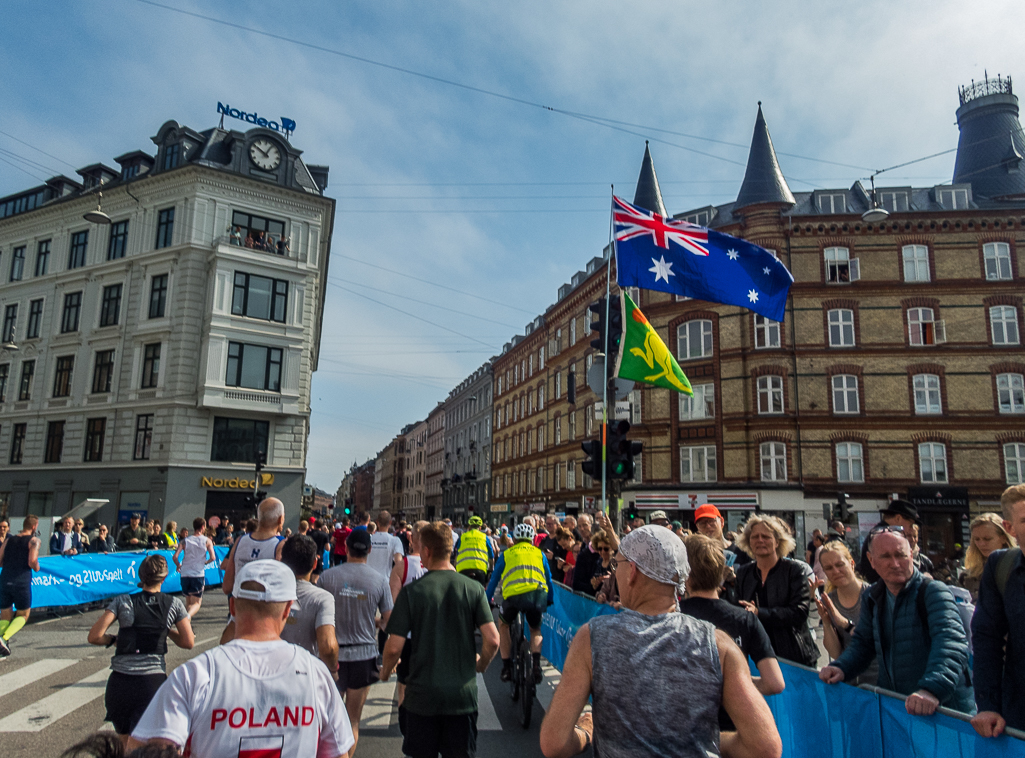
x=5, y=649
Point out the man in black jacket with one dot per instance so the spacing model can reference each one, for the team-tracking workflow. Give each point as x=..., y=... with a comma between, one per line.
x=898, y=513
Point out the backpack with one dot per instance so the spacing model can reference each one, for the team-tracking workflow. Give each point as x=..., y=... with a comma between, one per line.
x=965, y=610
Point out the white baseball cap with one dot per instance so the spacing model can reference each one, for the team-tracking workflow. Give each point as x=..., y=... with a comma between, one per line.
x=277, y=580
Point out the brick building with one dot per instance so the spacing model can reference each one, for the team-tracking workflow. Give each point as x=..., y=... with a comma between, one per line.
x=435, y=471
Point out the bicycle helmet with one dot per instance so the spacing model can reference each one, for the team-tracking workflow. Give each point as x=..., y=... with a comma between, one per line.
x=475, y=521
x=523, y=532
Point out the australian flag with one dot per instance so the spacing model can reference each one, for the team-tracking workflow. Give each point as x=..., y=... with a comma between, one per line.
x=657, y=253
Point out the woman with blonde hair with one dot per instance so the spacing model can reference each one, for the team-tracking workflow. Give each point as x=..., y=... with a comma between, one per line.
x=840, y=605
x=988, y=534
x=773, y=588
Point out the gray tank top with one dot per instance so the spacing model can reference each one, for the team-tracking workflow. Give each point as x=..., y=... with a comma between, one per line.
x=669, y=662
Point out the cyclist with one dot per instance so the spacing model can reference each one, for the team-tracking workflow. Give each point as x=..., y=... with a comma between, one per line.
x=526, y=581
x=474, y=556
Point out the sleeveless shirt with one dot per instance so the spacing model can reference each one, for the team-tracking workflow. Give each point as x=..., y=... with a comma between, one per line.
x=16, y=568
x=414, y=569
x=247, y=549
x=194, y=557
x=657, y=686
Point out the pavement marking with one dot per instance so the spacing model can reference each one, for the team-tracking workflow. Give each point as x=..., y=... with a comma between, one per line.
x=42, y=713
x=487, y=718
x=546, y=690
x=200, y=643
x=33, y=672
x=380, y=710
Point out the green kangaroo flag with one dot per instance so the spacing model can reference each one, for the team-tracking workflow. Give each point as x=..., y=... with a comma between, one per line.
x=644, y=356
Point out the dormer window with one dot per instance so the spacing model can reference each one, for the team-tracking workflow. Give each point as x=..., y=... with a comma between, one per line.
x=129, y=171
x=831, y=202
x=893, y=201
x=952, y=198
x=172, y=156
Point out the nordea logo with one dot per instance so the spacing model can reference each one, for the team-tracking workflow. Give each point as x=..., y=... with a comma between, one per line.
x=287, y=125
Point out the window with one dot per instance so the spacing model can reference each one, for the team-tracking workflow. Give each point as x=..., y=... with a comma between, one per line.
x=165, y=228
x=766, y=332
x=558, y=430
x=923, y=329
x=129, y=172
x=541, y=398
x=252, y=225
x=695, y=339
x=28, y=371
x=697, y=464
x=110, y=309
x=932, y=462
x=71, y=313
x=79, y=246
x=894, y=202
x=1003, y=320
x=150, y=366
x=927, y=393
x=840, y=267
x=103, y=371
x=35, y=318
x=571, y=475
x=259, y=297
x=172, y=154
x=254, y=366
x=541, y=358
x=499, y=385
x=850, y=463
x=62, y=377
x=635, y=408
x=158, y=296
x=832, y=202
x=952, y=199
x=845, y=394
x=997, y=258
x=558, y=385
x=634, y=293
x=54, y=442
x=841, y=327
x=5, y=371
x=18, y=443
x=573, y=331
x=43, y=258
x=17, y=264
x=573, y=425
x=95, y=430
x=774, y=461
x=699, y=406
x=143, y=437
x=10, y=320
x=118, y=241
x=540, y=479
x=238, y=440
x=916, y=263
x=1014, y=462
x=1011, y=393
x=770, y=394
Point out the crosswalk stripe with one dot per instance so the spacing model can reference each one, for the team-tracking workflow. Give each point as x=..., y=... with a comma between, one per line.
x=43, y=712
x=33, y=672
x=380, y=711
x=487, y=718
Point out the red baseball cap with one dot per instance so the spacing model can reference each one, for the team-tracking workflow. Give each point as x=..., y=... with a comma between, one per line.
x=706, y=511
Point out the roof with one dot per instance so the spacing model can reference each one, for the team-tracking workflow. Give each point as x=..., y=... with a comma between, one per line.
x=991, y=145
x=648, y=194
x=763, y=181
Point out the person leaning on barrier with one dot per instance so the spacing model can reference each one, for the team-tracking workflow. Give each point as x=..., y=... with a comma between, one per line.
x=65, y=541
x=912, y=624
x=657, y=677
x=998, y=629
x=103, y=542
x=134, y=536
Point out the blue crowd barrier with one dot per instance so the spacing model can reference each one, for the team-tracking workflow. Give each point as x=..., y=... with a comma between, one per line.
x=817, y=720
x=80, y=579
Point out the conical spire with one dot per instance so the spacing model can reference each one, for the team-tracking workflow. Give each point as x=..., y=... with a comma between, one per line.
x=763, y=181
x=648, y=194
x=991, y=146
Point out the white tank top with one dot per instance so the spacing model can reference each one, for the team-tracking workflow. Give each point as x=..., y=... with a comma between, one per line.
x=194, y=557
x=243, y=715
x=247, y=549
x=414, y=569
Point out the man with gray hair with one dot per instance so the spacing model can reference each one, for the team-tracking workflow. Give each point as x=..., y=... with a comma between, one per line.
x=657, y=677
x=262, y=544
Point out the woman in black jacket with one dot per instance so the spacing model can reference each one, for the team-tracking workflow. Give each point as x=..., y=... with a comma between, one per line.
x=775, y=589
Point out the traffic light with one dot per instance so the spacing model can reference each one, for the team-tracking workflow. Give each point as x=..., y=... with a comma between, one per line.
x=631, y=512
x=592, y=465
x=841, y=501
x=598, y=324
x=621, y=451
x=615, y=327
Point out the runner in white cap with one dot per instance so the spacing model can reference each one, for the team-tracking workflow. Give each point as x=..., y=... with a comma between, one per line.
x=256, y=695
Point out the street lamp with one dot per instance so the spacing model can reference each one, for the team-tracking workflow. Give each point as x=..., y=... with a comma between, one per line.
x=97, y=216
x=876, y=212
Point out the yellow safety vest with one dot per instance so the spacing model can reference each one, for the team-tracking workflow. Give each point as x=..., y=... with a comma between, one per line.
x=172, y=539
x=473, y=551
x=524, y=570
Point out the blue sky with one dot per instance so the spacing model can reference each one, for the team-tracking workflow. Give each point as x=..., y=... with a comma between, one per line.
x=499, y=200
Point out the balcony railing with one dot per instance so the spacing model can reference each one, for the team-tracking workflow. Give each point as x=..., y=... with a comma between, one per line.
x=999, y=86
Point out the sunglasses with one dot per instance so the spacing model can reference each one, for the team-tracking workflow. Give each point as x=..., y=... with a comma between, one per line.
x=882, y=530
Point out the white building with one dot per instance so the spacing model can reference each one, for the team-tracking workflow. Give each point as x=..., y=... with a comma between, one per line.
x=149, y=360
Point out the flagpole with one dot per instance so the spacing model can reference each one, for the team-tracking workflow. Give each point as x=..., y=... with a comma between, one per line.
x=605, y=393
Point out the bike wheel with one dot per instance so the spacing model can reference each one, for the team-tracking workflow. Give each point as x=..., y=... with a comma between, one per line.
x=527, y=687
x=514, y=684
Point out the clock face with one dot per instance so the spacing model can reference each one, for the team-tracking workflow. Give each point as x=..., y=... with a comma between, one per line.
x=265, y=154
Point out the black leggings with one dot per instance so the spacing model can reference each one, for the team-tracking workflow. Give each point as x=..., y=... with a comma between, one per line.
x=127, y=696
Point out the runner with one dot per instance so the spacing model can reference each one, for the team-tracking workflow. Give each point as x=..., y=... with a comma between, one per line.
x=255, y=696
x=311, y=623
x=403, y=575
x=320, y=535
x=338, y=542
x=526, y=582
x=474, y=556
x=359, y=592
x=19, y=557
x=196, y=552
x=145, y=621
x=387, y=550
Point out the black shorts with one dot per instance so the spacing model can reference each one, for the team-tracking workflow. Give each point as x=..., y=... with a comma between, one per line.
x=127, y=696
x=533, y=605
x=402, y=670
x=192, y=586
x=426, y=736
x=477, y=575
x=19, y=595
x=355, y=675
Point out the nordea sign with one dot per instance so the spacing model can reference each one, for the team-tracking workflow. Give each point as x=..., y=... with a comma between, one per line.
x=287, y=125
x=235, y=483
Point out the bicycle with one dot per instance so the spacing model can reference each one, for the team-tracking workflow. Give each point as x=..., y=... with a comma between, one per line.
x=523, y=687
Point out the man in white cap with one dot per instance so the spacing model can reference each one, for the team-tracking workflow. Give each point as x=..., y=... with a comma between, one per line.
x=256, y=695
x=657, y=677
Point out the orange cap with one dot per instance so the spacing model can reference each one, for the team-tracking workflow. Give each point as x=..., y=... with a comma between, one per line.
x=707, y=511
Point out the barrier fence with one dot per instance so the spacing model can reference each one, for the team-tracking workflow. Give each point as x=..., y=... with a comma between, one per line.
x=817, y=720
x=79, y=579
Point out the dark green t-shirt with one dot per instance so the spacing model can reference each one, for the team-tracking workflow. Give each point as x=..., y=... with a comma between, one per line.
x=441, y=610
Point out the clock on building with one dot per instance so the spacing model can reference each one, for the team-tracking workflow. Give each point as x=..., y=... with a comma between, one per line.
x=265, y=154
